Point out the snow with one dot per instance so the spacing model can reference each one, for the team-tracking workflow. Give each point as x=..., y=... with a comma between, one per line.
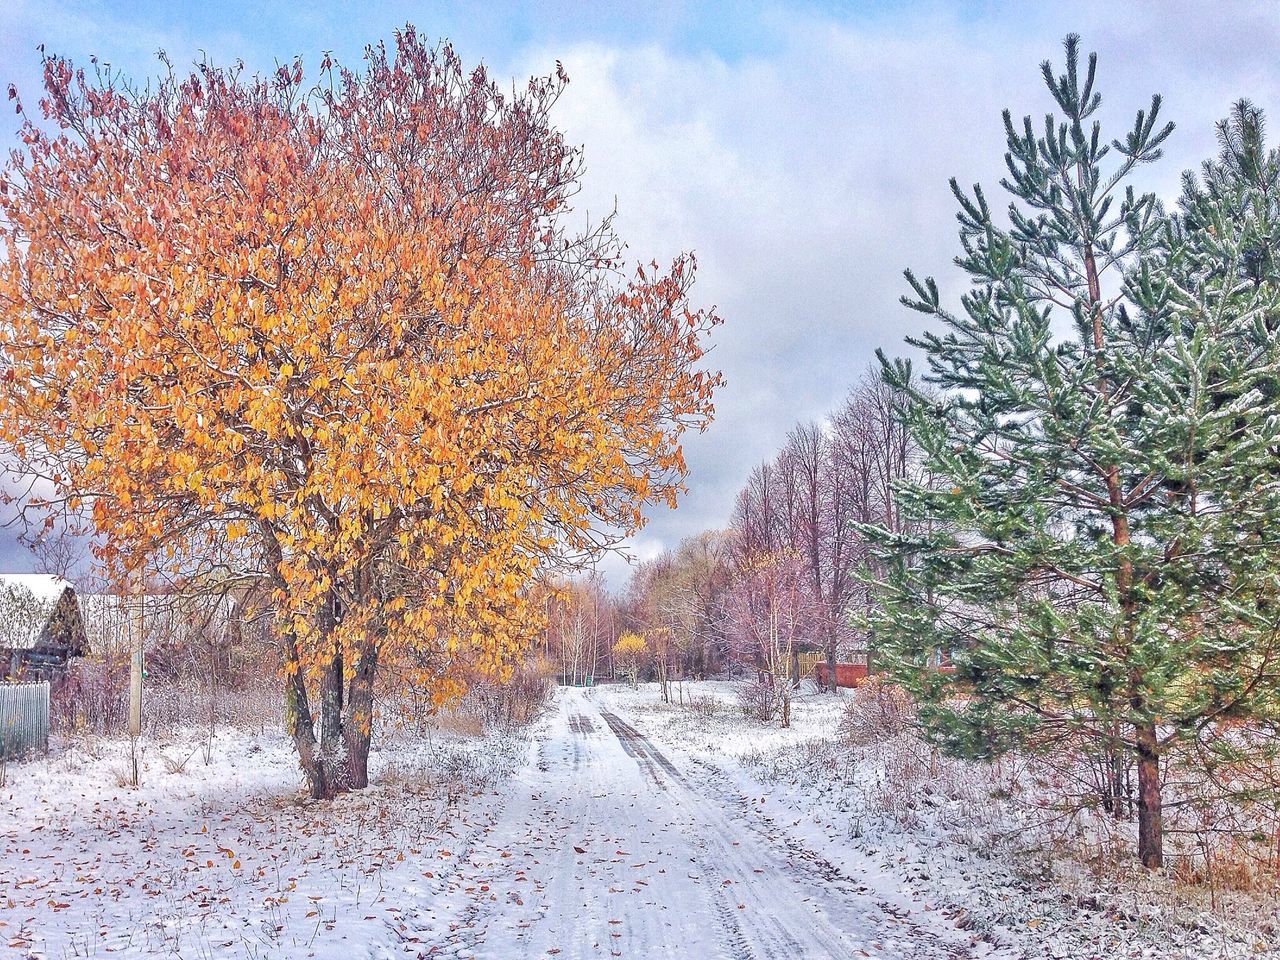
x=610, y=848
x=227, y=859
x=955, y=841
x=45, y=587
x=616, y=827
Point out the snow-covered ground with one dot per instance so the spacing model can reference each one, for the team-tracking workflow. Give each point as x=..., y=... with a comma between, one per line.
x=617, y=826
x=227, y=859
x=612, y=846
x=955, y=841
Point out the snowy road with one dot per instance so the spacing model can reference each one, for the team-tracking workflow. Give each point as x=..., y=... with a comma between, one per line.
x=609, y=846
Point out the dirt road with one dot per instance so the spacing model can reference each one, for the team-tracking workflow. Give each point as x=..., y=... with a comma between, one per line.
x=608, y=846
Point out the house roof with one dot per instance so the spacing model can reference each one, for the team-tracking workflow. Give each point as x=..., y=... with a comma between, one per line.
x=27, y=602
x=45, y=586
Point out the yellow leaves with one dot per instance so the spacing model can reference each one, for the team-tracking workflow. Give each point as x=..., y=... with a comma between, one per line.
x=630, y=645
x=460, y=418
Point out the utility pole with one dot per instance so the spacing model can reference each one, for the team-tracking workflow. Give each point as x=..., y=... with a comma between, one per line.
x=135, y=668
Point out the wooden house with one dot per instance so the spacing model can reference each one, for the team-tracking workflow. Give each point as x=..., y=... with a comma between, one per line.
x=40, y=626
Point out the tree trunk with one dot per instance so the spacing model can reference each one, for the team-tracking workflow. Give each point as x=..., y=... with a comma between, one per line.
x=831, y=661
x=1150, y=814
x=330, y=691
x=331, y=705
x=301, y=727
x=1150, y=817
x=795, y=666
x=1119, y=800
x=358, y=729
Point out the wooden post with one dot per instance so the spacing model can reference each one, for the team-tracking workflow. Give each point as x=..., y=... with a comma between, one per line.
x=135, y=670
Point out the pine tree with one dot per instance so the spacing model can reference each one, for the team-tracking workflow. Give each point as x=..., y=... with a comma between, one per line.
x=1095, y=550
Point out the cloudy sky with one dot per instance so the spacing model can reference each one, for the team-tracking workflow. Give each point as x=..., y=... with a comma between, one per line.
x=801, y=150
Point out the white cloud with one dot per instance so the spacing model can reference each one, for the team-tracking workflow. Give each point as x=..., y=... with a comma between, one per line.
x=808, y=175
x=807, y=180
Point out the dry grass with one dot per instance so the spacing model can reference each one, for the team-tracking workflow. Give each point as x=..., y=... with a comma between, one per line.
x=704, y=707
x=177, y=765
x=460, y=721
x=487, y=706
x=1222, y=854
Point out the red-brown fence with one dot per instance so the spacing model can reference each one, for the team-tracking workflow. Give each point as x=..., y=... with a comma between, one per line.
x=847, y=674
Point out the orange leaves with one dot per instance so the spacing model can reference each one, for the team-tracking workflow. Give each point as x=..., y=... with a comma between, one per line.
x=254, y=345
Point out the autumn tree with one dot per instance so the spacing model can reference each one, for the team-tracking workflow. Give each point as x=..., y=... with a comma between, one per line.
x=346, y=337
x=693, y=595
x=652, y=609
x=629, y=652
x=677, y=600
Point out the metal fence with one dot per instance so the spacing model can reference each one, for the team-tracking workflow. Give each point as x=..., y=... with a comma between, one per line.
x=24, y=718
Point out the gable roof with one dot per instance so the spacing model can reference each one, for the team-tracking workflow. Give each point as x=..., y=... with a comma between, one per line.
x=28, y=602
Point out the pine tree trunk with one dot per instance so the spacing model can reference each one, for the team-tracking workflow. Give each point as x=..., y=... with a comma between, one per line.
x=1150, y=819
x=1150, y=813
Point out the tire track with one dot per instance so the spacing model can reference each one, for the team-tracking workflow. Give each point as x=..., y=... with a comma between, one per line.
x=639, y=748
x=830, y=889
x=605, y=847
x=764, y=936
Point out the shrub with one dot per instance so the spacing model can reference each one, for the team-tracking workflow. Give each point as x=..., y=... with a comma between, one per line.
x=758, y=700
x=518, y=701
x=704, y=707
x=92, y=697
x=877, y=711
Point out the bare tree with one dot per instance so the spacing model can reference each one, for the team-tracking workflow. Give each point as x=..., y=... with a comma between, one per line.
x=807, y=502
x=580, y=626
x=770, y=607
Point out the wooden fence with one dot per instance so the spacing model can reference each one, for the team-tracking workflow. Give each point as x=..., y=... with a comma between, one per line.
x=24, y=718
